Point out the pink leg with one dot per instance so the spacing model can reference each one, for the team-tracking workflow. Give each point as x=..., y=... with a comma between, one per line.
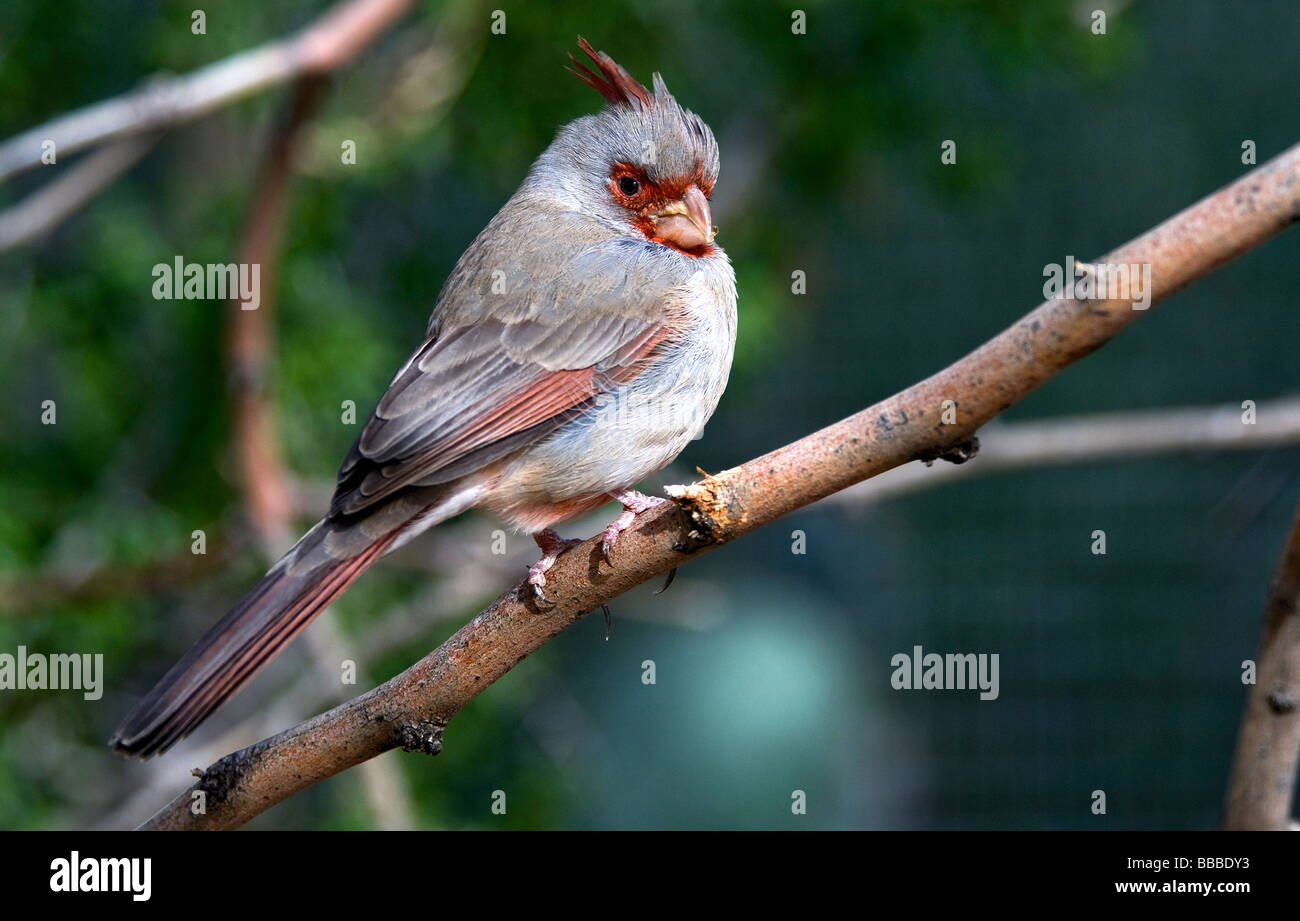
x=634, y=503
x=552, y=545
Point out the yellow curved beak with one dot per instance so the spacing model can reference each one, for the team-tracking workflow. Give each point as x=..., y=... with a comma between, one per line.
x=686, y=223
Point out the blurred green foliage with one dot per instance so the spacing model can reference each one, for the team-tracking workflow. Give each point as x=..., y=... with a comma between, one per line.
x=1118, y=672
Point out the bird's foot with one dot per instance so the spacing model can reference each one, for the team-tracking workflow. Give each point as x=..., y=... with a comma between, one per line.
x=551, y=545
x=634, y=503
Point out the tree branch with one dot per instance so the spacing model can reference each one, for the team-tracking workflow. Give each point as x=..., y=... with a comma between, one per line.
x=412, y=709
x=1003, y=448
x=326, y=44
x=250, y=334
x=1101, y=436
x=1261, y=787
x=48, y=207
x=250, y=341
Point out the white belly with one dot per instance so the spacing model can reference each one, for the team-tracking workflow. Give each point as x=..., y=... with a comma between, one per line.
x=642, y=426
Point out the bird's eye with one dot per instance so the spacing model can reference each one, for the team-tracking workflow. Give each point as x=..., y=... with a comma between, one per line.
x=628, y=186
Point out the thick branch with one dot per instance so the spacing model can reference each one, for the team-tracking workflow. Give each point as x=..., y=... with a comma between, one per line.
x=1261, y=787
x=412, y=709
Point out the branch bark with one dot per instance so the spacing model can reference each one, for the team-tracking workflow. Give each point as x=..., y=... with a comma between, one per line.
x=1261, y=787
x=412, y=709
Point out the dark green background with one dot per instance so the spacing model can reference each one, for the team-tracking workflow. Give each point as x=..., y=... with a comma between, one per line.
x=1118, y=672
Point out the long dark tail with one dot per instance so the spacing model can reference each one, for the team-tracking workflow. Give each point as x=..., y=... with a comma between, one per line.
x=316, y=571
x=297, y=588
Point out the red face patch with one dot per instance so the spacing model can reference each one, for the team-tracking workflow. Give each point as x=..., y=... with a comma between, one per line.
x=643, y=198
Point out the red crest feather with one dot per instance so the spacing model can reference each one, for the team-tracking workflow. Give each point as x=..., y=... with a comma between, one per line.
x=613, y=82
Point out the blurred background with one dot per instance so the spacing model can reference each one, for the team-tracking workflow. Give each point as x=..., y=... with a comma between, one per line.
x=1118, y=672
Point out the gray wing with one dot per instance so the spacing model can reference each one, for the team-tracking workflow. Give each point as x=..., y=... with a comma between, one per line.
x=511, y=357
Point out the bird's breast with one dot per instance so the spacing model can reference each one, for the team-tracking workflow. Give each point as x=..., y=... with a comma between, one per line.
x=642, y=424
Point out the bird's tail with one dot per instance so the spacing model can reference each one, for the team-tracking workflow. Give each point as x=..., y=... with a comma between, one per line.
x=316, y=571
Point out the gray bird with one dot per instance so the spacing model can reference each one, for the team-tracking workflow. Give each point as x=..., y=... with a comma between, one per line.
x=581, y=341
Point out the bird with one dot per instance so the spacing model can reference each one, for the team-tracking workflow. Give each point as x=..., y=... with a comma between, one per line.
x=582, y=340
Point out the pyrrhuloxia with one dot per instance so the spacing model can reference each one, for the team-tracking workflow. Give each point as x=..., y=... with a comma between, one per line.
x=579, y=344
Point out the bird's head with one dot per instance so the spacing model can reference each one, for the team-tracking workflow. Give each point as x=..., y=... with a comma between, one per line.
x=643, y=166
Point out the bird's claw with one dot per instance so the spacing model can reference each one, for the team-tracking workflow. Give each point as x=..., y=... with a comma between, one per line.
x=536, y=587
x=634, y=503
x=672, y=574
x=551, y=545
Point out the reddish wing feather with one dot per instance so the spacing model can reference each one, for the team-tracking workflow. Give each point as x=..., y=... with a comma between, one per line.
x=539, y=398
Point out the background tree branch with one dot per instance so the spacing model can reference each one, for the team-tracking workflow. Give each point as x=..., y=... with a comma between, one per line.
x=165, y=100
x=1096, y=437
x=1261, y=787
x=412, y=709
x=52, y=204
x=250, y=346
x=132, y=123
x=250, y=334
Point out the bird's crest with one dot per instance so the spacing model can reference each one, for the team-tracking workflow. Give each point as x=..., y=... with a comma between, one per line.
x=613, y=82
